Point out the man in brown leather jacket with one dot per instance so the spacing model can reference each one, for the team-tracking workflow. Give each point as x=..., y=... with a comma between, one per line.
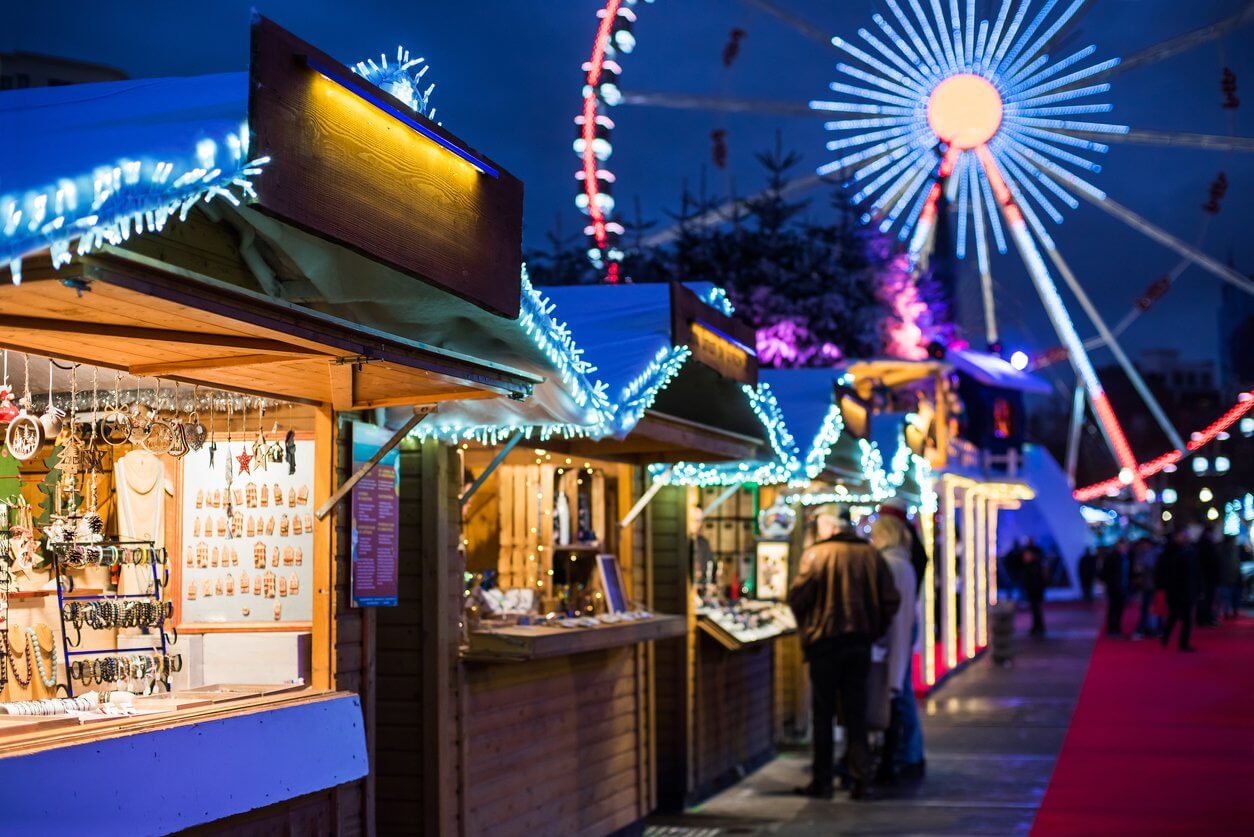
x=844, y=599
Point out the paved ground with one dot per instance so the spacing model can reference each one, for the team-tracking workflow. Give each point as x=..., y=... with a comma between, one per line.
x=992, y=738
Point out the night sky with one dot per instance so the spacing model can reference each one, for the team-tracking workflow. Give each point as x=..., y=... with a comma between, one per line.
x=509, y=83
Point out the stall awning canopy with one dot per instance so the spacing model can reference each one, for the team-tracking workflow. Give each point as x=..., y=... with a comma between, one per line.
x=668, y=407
x=994, y=371
x=86, y=163
x=123, y=311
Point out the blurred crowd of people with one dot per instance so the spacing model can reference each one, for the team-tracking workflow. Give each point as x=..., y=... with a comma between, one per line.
x=1190, y=576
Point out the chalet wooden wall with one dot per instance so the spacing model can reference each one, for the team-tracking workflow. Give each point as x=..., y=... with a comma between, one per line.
x=733, y=713
x=417, y=741
x=556, y=746
x=353, y=643
x=667, y=540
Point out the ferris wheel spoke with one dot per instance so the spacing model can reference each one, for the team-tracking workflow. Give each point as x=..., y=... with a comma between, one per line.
x=925, y=54
x=1182, y=43
x=1009, y=36
x=1016, y=179
x=814, y=33
x=1165, y=238
x=1046, y=36
x=909, y=77
x=1177, y=139
x=727, y=104
x=986, y=54
x=1063, y=139
x=912, y=61
x=943, y=35
x=1112, y=343
x=1054, y=151
x=1025, y=80
x=925, y=27
x=1022, y=41
x=962, y=175
x=977, y=218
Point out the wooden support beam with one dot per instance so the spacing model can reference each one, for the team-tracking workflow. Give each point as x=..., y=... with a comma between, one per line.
x=342, y=375
x=161, y=335
x=177, y=367
x=426, y=397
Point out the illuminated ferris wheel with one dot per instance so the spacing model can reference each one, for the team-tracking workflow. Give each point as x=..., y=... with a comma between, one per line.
x=936, y=103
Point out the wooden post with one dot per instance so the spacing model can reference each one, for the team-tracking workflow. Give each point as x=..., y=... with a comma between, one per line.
x=439, y=647
x=323, y=640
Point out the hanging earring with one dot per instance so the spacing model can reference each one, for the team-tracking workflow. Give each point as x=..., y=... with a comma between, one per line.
x=213, y=414
x=178, y=434
x=25, y=435
x=159, y=436
x=115, y=425
x=261, y=448
x=195, y=431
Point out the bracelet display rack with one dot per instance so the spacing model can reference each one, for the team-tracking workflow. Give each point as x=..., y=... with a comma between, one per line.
x=110, y=553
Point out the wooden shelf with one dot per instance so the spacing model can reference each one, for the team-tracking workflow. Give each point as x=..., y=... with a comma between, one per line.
x=534, y=642
x=39, y=594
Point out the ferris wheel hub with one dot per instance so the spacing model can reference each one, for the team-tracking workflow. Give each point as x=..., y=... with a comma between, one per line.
x=965, y=111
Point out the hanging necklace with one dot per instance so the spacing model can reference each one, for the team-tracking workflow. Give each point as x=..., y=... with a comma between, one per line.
x=32, y=648
x=12, y=658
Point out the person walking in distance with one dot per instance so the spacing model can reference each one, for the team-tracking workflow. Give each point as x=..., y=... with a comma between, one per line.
x=1178, y=576
x=892, y=539
x=1034, y=585
x=844, y=599
x=1116, y=571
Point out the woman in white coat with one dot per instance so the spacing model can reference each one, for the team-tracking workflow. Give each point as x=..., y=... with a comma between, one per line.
x=892, y=539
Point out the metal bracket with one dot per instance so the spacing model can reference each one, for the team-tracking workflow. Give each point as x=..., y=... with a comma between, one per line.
x=492, y=466
x=421, y=411
x=648, y=495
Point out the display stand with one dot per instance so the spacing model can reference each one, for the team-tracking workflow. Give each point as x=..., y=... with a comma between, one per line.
x=65, y=594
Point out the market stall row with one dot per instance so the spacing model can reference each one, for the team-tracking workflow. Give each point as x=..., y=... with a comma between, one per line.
x=307, y=460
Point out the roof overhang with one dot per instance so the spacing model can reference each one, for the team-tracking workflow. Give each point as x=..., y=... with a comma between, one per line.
x=125, y=311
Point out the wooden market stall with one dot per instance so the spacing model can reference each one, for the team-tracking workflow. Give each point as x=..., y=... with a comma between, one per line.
x=218, y=395
x=548, y=527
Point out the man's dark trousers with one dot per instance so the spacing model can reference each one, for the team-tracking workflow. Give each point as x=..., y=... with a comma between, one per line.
x=838, y=677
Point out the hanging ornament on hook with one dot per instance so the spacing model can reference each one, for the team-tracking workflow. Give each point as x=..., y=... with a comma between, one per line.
x=25, y=435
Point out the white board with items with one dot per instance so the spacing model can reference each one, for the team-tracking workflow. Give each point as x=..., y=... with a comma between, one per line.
x=247, y=548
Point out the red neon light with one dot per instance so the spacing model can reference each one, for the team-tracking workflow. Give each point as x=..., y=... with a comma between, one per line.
x=1123, y=451
x=1154, y=466
x=947, y=164
x=590, y=188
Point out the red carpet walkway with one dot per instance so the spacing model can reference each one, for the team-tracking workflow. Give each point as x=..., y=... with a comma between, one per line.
x=1161, y=742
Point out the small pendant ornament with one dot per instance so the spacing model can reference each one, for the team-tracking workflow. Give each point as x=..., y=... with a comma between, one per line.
x=195, y=433
x=178, y=440
x=244, y=459
x=52, y=421
x=289, y=443
x=159, y=438
x=25, y=436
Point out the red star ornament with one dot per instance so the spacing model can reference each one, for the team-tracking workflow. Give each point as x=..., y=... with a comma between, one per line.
x=244, y=459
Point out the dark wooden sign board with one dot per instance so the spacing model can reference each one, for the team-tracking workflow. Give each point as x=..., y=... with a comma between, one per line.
x=345, y=167
x=722, y=343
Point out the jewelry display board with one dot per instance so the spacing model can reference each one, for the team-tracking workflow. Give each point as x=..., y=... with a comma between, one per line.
x=246, y=546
